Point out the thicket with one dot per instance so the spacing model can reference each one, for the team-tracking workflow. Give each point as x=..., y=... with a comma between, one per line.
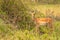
x=16, y=13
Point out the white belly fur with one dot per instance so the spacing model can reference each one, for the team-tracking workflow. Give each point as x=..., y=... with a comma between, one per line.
x=43, y=23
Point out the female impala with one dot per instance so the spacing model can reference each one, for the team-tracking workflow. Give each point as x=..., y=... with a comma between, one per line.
x=41, y=21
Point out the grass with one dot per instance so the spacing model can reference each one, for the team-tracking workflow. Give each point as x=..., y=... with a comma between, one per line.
x=7, y=34
x=44, y=8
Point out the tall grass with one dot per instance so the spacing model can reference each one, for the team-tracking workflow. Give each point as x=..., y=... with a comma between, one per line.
x=7, y=34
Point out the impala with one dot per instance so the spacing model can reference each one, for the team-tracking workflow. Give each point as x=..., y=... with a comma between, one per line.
x=47, y=22
x=41, y=21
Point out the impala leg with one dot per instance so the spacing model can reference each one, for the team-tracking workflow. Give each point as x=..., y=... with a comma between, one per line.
x=52, y=28
x=50, y=25
x=37, y=28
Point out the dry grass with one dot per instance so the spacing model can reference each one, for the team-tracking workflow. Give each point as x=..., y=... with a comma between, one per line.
x=44, y=8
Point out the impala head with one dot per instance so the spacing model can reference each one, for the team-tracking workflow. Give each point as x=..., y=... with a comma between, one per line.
x=32, y=14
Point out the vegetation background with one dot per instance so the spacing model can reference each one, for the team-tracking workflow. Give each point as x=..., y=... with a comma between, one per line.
x=16, y=22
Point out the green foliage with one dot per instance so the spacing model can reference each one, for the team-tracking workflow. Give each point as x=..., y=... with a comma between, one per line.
x=15, y=12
